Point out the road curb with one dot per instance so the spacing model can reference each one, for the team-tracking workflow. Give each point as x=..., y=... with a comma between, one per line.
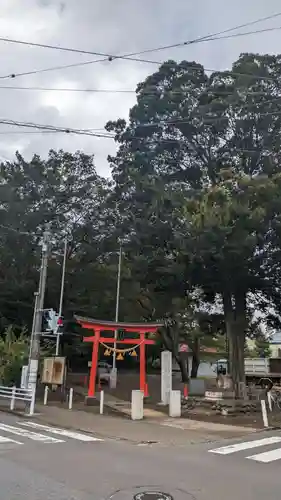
x=14, y=412
x=36, y=417
x=39, y=417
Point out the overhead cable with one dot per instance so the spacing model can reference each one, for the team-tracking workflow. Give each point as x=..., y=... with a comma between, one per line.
x=146, y=51
x=131, y=56
x=53, y=128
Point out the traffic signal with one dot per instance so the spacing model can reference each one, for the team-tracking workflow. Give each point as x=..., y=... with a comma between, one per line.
x=49, y=320
x=59, y=325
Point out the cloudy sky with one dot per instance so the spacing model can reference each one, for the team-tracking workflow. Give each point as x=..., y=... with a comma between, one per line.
x=114, y=27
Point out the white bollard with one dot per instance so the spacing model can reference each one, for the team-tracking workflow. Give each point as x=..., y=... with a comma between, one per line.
x=70, y=399
x=12, y=404
x=175, y=404
x=32, y=402
x=264, y=413
x=101, y=402
x=166, y=376
x=137, y=405
x=269, y=398
x=46, y=390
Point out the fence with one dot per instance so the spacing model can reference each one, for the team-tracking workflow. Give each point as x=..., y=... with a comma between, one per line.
x=21, y=394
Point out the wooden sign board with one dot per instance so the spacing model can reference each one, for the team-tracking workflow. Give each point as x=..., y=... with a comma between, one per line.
x=53, y=370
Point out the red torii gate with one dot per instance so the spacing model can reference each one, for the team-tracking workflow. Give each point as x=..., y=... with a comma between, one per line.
x=99, y=326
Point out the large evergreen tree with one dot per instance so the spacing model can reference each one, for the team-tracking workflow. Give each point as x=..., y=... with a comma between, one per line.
x=196, y=181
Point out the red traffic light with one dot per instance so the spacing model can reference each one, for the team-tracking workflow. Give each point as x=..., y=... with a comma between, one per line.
x=60, y=322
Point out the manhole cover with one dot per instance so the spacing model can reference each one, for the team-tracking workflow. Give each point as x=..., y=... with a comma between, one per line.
x=151, y=492
x=153, y=495
x=142, y=443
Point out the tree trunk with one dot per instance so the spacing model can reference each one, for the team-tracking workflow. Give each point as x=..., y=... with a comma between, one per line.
x=195, y=358
x=235, y=319
x=183, y=364
x=236, y=356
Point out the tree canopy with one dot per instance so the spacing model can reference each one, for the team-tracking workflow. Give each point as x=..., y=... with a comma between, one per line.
x=197, y=179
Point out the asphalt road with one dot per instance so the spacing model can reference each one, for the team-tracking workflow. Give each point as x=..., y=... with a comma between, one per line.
x=57, y=465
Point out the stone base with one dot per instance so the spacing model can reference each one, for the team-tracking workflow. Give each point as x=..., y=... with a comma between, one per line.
x=196, y=387
x=91, y=401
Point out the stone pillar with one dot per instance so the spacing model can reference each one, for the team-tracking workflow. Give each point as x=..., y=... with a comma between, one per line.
x=175, y=404
x=166, y=376
x=113, y=378
x=137, y=405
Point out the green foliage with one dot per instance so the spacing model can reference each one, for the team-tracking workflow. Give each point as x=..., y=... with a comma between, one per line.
x=262, y=346
x=13, y=355
x=197, y=179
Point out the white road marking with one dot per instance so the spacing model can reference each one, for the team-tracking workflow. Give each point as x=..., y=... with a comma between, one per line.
x=61, y=432
x=246, y=445
x=267, y=456
x=8, y=440
x=29, y=434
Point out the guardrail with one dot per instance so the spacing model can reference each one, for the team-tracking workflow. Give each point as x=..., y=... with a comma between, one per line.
x=15, y=393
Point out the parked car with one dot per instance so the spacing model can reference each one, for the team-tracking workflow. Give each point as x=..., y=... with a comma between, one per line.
x=103, y=372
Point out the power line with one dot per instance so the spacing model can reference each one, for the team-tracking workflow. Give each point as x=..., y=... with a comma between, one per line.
x=245, y=33
x=130, y=56
x=29, y=132
x=111, y=135
x=209, y=119
x=175, y=122
x=198, y=67
x=53, y=128
x=212, y=35
x=45, y=132
x=17, y=132
x=151, y=92
x=146, y=51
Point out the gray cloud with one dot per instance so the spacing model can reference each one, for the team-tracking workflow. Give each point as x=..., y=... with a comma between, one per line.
x=110, y=27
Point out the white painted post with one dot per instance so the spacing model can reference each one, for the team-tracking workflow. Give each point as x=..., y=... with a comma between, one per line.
x=269, y=398
x=12, y=404
x=137, y=405
x=24, y=377
x=101, y=402
x=70, y=399
x=46, y=390
x=175, y=404
x=32, y=402
x=166, y=376
x=264, y=413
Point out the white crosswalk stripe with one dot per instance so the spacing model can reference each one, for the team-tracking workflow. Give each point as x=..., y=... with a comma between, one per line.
x=33, y=431
x=226, y=450
x=34, y=436
x=267, y=456
x=8, y=440
x=262, y=457
x=61, y=432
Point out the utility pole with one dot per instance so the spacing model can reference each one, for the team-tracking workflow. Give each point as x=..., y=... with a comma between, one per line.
x=32, y=330
x=114, y=371
x=39, y=306
x=61, y=293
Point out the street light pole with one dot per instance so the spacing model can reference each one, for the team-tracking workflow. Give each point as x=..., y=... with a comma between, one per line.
x=117, y=309
x=37, y=321
x=61, y=293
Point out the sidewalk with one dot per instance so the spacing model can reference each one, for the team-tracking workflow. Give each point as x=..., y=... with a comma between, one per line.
x=124, y=407
x=178, y=432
